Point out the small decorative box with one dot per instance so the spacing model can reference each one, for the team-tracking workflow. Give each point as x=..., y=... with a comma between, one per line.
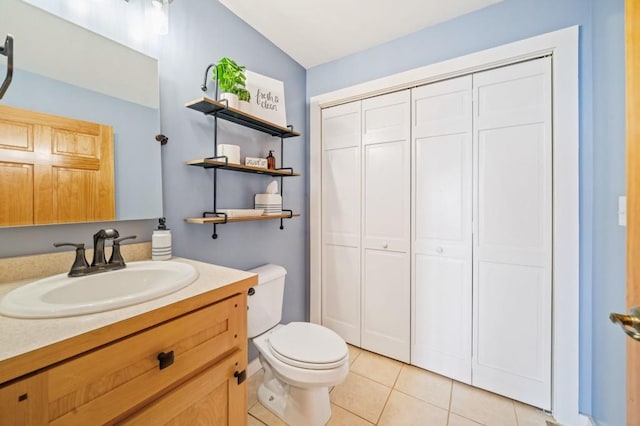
x=255, y=162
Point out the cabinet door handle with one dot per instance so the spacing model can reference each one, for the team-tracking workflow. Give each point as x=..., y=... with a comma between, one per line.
x=240, y=375
x=439, y=250
x=165, y=359
x=385, y=245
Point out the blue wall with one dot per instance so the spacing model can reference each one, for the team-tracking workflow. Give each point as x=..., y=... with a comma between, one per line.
x=202, y=32
x=602, y=242
x=608, y=265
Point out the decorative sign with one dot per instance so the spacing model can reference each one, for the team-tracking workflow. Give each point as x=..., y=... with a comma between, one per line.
x=255, y=162
x=267, y=98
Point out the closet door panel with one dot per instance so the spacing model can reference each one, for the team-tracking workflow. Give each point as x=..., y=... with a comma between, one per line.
x=341, y=216
x=443, y=193
x=341, y=196
x=341, y=291
x=442, y=267
x=386, y=303
x=512, y=183
x=386, y=207
x=442, y=323
x=386, y=225
x=513, y=238
x=518, y=325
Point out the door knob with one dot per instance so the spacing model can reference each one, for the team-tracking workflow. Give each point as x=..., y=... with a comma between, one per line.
x=630, y=323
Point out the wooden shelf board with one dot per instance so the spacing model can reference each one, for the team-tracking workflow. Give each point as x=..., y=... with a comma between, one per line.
x=209, y=164
x=220, y=109
x=211, y=220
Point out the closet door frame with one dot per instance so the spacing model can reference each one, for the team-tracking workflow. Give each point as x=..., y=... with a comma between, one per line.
x=563, y=46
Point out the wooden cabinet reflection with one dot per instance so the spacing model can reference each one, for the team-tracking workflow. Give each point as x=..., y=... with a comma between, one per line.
x=54, y=169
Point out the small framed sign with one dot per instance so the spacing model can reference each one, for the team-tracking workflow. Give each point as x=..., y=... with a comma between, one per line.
x=255, y=162
x=267, y=98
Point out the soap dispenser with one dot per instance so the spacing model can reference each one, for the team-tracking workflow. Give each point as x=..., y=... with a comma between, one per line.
x=161, y=241
x=271, y=161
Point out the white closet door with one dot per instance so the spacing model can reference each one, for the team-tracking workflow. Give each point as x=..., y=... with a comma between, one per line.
x=513, y=232
x=442, y=264
x=341, y=220
x=386, y=225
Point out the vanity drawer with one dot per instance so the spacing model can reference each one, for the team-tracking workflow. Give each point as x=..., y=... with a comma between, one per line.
x=112, y=382
x=213, y=397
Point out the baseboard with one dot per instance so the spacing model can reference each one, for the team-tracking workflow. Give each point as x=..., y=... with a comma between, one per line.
x=584, y=420
x=253, y=367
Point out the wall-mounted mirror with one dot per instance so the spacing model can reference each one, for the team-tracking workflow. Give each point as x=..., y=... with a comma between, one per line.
x=65, y=70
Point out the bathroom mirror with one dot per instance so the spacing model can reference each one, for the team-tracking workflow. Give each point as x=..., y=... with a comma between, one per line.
x=66, y=70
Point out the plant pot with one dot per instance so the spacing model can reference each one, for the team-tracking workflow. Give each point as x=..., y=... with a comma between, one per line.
x=232, y=99
x=243, y=106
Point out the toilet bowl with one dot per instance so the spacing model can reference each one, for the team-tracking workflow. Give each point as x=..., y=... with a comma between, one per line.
x=300, y=360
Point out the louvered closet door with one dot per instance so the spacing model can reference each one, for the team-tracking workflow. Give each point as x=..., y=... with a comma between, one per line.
x=513, y=235
x=341, y=220
x=442, y=265
x=386, y=225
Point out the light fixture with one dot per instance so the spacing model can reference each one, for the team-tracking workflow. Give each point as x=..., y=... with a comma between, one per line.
x=158, y=16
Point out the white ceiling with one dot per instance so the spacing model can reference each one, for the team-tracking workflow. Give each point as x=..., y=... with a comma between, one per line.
x=317, y=31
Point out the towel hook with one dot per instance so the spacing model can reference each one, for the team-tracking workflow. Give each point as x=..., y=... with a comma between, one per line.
x=7, y=50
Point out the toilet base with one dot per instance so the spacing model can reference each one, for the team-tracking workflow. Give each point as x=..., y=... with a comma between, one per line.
x=296, y=406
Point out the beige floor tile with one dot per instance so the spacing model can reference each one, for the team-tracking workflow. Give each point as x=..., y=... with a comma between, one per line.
x=265, y=416
x=353, y=353
x=252, y=387
x=342, y=417
x=377, y=367
x=456, y=420
x=425, y=385
x=361, y=396
x=531, y=416
x=482, y=406
x=405, y=410
x=252, y=421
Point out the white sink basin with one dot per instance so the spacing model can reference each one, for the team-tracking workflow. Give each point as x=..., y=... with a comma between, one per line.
x=62, y=296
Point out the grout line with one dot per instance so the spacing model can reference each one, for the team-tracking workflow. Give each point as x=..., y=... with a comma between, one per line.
x=450, y=401
x=515, y=412
x=351, y=412
x=420, y=399
x=386, y=402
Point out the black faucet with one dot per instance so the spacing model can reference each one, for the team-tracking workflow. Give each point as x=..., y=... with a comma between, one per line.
x=98, y=245
x=81, y=267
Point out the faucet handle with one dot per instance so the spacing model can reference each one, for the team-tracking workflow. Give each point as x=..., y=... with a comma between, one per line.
x=130, y=237
x=116, y=256
x=80, y=263
x=76, y=245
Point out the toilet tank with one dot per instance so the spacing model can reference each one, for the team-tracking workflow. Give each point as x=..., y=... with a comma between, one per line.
x=265, y=304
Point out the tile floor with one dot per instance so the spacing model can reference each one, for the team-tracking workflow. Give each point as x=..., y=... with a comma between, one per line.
x=382, y=391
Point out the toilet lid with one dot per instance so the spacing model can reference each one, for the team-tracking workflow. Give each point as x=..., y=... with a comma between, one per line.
x=307, y=345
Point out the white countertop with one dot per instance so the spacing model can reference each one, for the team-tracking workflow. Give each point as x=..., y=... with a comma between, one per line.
x=19, y=336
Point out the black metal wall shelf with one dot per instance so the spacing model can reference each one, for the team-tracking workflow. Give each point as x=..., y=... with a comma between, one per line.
x=221, y=110
x=221, y=219
x=210, y=163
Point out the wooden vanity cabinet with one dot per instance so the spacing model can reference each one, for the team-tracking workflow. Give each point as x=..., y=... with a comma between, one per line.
x=187, y=370
x=24, y=402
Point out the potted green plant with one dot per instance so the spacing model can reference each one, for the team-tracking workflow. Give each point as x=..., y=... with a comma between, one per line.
x=244, y=97
x=230, y=79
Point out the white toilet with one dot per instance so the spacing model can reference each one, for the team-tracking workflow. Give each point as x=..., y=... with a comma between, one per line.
x=300, y=360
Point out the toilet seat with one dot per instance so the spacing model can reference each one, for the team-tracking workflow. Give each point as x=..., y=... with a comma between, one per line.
x=309, y=346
